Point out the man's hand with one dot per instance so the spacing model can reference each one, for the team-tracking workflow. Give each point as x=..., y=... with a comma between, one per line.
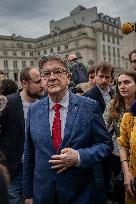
x=67, y=158
x=29, y=201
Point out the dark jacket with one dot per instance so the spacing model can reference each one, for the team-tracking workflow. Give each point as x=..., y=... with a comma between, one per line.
x=12, y=132
x=95, y=93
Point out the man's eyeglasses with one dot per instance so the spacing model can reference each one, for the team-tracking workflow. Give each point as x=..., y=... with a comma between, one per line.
x=56, y=72
x=134, y=61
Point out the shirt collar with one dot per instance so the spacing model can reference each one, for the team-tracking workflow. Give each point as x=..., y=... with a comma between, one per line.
x=103, y=92
x=64, y=102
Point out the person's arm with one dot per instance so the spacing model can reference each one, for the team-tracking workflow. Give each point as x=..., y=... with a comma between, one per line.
x=128, y=177
x=124, y=146
x=28, y=165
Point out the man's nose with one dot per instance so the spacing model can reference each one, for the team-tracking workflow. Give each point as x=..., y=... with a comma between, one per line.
x=103, y=79
x=52, y=75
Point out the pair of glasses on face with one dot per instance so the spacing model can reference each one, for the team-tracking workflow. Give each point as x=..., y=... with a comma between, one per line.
x=56, y=73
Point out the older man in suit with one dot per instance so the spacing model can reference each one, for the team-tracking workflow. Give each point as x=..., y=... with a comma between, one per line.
x=65, y=137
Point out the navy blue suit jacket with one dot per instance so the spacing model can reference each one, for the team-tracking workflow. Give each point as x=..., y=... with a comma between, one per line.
x=95, y=94
x=84, y=131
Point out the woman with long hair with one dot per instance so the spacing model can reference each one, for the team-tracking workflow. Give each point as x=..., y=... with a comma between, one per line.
x=121, y=103
x=127, y=150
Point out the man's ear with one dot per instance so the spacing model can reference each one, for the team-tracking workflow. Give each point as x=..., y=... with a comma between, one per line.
x=70, y=75
x=24, y=83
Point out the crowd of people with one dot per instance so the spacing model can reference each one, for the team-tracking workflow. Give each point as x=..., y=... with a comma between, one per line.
x=68, y=135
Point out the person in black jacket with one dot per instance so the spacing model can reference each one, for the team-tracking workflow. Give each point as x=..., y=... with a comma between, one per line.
x=3, y=185
x=4, y=181
x=12, y=123
x=103, y=94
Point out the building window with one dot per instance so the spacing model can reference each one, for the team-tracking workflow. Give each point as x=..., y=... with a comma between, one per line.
x=5, y=63
x=23, y=53
x=103, y=26
x=58, y=48
x=118, y=52
x=23, y=63
x=31, y=63
x=114, y=53
x=19, y=45
x=119, y=63
x=14, y=53
x=45, y=52
x=117, y=41
x=108, y=28
x=109, y=51
x=29, y=46
x=103, y=37
x=15, y=76
x=114, y=61
x=5, y=52
x=108, y=38
x=31, y=53
x=104, y=49
x=51, y=50
x=113, y=40
x=15, y=64
x=66, y=46
x=38, y=53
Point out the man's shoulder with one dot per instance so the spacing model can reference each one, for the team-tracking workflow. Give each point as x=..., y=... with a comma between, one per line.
x=13, y=96
x=38, y=104
x=82, y=100
x=13, y=99
x=92, y=91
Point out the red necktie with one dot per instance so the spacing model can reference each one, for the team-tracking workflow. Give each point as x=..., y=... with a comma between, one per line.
x=56, y=127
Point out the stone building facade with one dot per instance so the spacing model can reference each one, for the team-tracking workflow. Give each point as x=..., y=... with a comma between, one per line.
x=93, y=36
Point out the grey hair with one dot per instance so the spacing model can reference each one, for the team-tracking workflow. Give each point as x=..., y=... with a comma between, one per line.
x=46, y=58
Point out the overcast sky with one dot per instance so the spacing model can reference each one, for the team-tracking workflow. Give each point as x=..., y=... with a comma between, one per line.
x=30, y=18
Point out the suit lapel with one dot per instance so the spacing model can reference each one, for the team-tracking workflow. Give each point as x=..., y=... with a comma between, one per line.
x=100, y=97
x=71, y=115
x=111, y=93
x=46, y=125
